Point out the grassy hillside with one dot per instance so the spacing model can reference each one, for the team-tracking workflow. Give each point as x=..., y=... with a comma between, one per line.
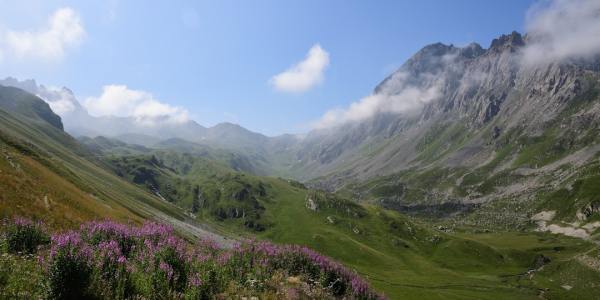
x=402, y=256
x=46, y=174
x=554, y=170
x=408, y=259
x=205, y=188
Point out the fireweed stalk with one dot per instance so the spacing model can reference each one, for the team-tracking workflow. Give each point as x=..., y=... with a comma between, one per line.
x=24, y=235
x=104, y=259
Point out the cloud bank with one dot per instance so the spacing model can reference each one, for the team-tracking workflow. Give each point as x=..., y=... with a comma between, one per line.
x=61, y=101
x=562, y=29
x=63, y=31
x=303, y=75
x=408, y=99
x=120, y=101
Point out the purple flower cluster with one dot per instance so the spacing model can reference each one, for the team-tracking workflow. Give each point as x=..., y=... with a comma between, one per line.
x=70, y=244
x=69, y=266
x=300, y=260
x=24, y=235
x=110, y=251
x=195, y=280
x=111, y=260
x=20, y=221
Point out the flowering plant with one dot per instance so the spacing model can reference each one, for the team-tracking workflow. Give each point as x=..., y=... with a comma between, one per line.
x=104, y=259
x=24, y=235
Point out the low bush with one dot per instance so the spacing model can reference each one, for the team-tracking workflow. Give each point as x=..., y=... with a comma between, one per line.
x=23, y=235
x=69, y=267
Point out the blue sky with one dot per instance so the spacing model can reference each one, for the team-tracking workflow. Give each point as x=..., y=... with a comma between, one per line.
x=216, y=59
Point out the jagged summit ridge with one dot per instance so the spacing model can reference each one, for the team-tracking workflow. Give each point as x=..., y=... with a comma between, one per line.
x=510, y=41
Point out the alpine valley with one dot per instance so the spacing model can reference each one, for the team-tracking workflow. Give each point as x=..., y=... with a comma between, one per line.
x=489, y=188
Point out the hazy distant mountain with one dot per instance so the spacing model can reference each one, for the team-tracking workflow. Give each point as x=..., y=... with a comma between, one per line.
x=79, y=122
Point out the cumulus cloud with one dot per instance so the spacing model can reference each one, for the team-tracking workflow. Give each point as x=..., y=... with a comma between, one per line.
x=61, y=101
x=64, y=30
x=408, y=99
x=562, y=29
x=305, y=74
x=120, y=101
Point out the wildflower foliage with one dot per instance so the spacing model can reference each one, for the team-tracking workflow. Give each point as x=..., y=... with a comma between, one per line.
x=23, y=235
x=109, y=260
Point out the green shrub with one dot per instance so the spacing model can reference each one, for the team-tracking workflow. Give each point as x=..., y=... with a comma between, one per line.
x=23, y=235
x=69, y=268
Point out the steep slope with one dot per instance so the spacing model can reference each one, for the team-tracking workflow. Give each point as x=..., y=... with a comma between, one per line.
x=385, y=140
x=496, y=128
x=470, y=85
x=28, y=106
x=46, y=173
x=205, y=188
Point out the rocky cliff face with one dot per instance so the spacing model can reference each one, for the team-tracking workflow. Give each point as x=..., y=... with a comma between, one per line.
x=489, y=106
x=502, y=140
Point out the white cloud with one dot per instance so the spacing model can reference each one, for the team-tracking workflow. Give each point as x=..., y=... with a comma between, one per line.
x=408, y=100
x=562, y=29
x=120, y=101
x=50, y=43
x=305, y=74
x=61, y=101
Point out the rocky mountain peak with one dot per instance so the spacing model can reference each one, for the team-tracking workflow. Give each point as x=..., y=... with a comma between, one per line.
x=28, y=84
x=436, y=49
x=507, y=41
x=440, y=50
x=472, y=50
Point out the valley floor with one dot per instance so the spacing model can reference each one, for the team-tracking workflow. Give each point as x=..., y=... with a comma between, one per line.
x=408, y=258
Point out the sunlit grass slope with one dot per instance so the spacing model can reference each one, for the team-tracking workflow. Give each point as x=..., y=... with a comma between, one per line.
x=46, y=174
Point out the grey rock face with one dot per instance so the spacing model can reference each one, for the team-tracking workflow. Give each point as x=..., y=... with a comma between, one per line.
x=311, y=204
x=488, y=92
